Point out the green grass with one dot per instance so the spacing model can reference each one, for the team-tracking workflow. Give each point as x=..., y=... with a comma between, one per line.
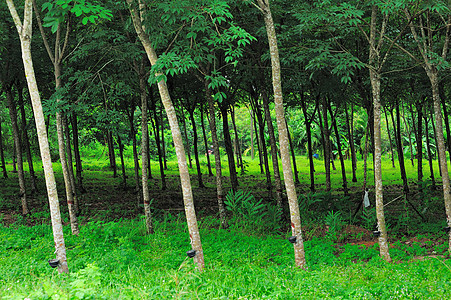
x=118, y=260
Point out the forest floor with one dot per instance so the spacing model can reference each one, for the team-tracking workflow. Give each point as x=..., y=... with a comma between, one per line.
x=114, y=258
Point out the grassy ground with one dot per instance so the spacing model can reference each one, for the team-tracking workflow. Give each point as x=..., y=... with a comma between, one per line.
x=113, y=258
x=118, y=261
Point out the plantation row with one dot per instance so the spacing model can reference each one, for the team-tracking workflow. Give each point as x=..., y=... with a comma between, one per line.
x=346, y=78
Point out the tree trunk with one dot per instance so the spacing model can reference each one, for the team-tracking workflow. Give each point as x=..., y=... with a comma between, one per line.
x=259, y=142
x=228, y=147
x=283, y=136
x=156, y=133
x=326, y=141
x=121, y=155
x=308, y=123
x=350, y=126
x=261, y=128
x=163, y=142
x=239, y=157
x=389, y=140
x=408, y=133
x=70, y=168
x=342, y=162
x=293, y=158
x=135, y=152
x=439, y=158
x=26, y=141
x=400, y=149
x=111, y=153
x=188, y=144
x=196, y=151
x=62, y=154
x=252, y=134
x=177, y=138
x=2, y=155
x=428, y=146
x=18, y=149
x=204, y=134
x=272, y=141
x=145, y=154
x=214, y=137
x=446, y=117
x=25, y=35
x=419, y=139
x=78, y=165
x=433, y=77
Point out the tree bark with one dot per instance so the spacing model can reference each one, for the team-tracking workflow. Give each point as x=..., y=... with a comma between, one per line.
x=428, y=145
x=293, y=158
x=145, y=154
x=70, y=168
x=418, y=130
x=308, y=123
x=272, y=141
x=121, y=155
x=239, y=157
x=390, y=140
x=261, y=131
x=176, y=135
x=228, y=146
x=204, y=134
x=283, y=135
x=323, y=123
x=18, y=149
x=26, y=141
x=25, y=35
x=187, y=141
x=400, y=150
x=376, y=89
x=2, y=155
x=350, y=126
x=342, y=162
x=78, y=164
x=214, y=137
x=156, y=133
x=135, y=149
x=196, y=151
x=111, y=153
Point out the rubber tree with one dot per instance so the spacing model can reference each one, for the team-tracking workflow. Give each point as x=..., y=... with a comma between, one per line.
x=24, y=30
x=137, y=11
x=433, y=58
x=56, y=58
x=299, y=254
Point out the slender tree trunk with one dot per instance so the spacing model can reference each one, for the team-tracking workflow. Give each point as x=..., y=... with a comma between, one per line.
x=408, y=133
x=18, y=149
x=439, y=158
x=239, y=157
x=121, y=155
x=261, y=127
x=214, y=137
x=70, y=168
x=2, y=155
x=283, y=136
x=145, y=154
x=14, y=159
x=156, y=132
x=78, y=165
x=342, y=162
x=204, y=134
x=390, y=140
x=26, y=141
x=446, y=117
x=196, y=151
x=350, y=126
x=259, y=142
x=293, y=158
x=176, y=136
x=326, y=142
x=135, y=152
x=228, y=147
x=111, y=153
x=62, y=154
x=419, y=139
x=252, y=134
x=308, y=123
x=272, y=141
x=25, y=35
x=187, y=140
x=433, y=77
x=400, y=149
x=163, y=142
x=428, y=146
